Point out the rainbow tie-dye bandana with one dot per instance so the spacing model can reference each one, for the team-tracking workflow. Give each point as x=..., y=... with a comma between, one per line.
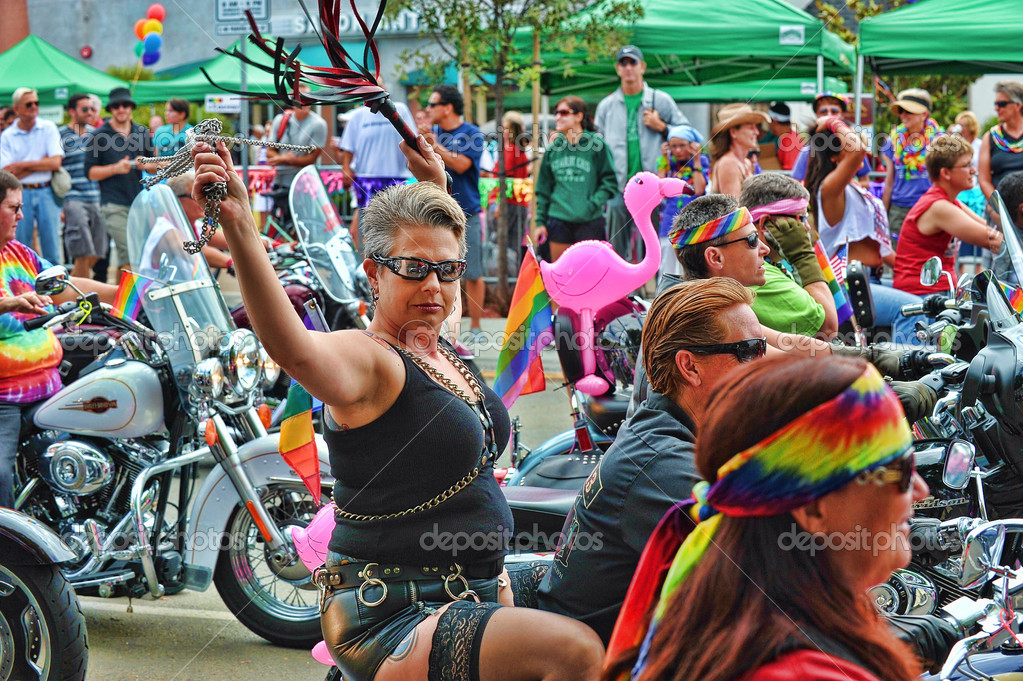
x=680, y=238
x=823, y=450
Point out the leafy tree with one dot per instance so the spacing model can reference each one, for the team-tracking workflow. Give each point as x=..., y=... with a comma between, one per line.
x=480, y=35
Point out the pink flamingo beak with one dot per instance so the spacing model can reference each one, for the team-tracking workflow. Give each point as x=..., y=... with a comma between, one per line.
x=673, y=186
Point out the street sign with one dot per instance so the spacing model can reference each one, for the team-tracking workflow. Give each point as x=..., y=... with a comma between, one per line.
x=234, y=10
x=240, y=28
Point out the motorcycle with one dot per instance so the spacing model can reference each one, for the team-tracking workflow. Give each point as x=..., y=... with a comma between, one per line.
x=42, y=629
x=322, y=264
x=98, y=459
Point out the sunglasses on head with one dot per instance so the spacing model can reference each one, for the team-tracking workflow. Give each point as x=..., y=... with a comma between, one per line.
x=745, y=350
x=899, y=471
x=752, y=240
x=418, y=269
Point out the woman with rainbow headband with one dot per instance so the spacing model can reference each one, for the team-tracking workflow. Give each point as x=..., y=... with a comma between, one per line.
x=804, y=508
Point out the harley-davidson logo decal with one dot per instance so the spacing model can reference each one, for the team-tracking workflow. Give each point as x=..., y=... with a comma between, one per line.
x=96, y=405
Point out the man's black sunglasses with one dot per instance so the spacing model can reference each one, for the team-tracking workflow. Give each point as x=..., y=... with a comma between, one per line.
x=418, y=269
x=752, y=240
x=745, y=350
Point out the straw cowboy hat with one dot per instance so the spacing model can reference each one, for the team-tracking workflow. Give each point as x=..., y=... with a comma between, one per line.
x=735, y=115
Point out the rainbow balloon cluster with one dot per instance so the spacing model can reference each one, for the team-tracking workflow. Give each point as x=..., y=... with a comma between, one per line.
x=149, y=31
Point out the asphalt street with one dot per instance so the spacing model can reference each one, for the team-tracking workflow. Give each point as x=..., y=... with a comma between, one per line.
x=192, y=636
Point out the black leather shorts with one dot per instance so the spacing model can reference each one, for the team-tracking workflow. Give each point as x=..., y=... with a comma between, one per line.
x=362, y=625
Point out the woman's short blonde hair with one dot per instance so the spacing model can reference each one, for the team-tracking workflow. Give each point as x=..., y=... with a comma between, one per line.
x=685, y=315
x=404, y=205
x=969, y=121
x=944, y=152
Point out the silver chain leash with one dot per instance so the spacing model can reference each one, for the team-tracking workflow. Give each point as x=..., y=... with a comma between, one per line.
x=207, y=130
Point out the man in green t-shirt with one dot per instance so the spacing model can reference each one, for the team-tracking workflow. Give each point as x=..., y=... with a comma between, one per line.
x=634, y=121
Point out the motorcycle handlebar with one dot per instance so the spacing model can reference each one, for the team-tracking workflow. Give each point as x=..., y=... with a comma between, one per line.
x=38, y=322
x=931, y=306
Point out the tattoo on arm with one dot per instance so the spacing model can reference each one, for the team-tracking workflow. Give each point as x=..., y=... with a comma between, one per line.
x=382, y=342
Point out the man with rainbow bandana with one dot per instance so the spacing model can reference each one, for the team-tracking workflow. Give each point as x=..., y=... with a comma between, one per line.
x=28, y=359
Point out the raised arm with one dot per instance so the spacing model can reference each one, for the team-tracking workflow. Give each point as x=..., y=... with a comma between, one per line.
x=339, y=368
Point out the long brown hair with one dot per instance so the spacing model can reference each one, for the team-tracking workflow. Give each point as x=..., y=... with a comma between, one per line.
x=747, y=588
x=824, y=144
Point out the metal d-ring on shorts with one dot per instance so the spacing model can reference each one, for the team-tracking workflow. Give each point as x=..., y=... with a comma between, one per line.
x=366, y=614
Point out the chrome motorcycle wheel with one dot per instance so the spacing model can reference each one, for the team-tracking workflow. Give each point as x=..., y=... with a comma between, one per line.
x=42, y=629
x=278, y=603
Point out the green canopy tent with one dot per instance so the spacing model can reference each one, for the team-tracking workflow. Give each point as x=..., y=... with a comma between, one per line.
x=942, y=36
x=945, y=36
x=695, y=42
x=35, y=63
x=778, y=89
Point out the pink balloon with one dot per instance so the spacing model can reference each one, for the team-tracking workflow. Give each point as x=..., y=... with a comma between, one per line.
x=156, y=11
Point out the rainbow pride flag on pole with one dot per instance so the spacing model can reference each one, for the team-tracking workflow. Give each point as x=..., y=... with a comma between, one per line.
x=529, y=329
x=1014, y=294
x=128, y=299
x=297, y=445
x=842, y=304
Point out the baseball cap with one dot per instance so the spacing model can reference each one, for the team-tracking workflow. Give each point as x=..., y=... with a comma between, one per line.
x=780, y=112
x=629, y=52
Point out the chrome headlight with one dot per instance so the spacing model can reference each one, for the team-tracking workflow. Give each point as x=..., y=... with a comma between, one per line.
x=271, y=370
x=239, y=353
x=208, y=376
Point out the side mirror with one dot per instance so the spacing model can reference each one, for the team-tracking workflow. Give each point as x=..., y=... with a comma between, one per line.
x=52, y=280
x=958, y=464
x=982, y=551
x=930, y=273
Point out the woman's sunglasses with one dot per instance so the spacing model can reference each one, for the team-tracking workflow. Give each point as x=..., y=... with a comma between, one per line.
x=418, y=269
x=899, y=471
x=752, y=240
x=745, y=350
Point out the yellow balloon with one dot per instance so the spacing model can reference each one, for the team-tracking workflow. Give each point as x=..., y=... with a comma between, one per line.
x=152, y=26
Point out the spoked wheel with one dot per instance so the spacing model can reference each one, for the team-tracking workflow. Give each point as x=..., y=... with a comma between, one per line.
x=42, y=629
x=278, y=603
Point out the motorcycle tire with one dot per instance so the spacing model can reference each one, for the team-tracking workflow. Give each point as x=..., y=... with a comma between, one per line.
x=42, y=628
x=279, y=605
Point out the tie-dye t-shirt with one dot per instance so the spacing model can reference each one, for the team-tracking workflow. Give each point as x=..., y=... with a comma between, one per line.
x=28, y=359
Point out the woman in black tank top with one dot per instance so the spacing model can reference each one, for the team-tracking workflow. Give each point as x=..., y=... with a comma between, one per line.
x=414, y=585
x=1001, y=151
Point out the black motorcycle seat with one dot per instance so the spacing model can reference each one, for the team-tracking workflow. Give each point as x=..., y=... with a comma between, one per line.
x=545, y=500
x=28, y=416
x=607, y=412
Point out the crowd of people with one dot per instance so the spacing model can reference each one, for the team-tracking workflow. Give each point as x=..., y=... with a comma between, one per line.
x=742, y=331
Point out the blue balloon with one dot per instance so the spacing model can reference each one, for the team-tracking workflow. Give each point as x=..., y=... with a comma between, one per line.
x=153, y=43
x=150, y=58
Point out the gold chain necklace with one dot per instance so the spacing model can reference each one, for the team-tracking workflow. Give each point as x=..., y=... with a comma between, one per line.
x=478, y=406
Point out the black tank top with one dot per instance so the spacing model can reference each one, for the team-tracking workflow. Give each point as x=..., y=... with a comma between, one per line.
x=1004, y=162
x=427, y=441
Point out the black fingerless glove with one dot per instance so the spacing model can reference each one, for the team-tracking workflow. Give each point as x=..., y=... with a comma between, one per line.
x=795, y=244
x=930, y=637
x=913, y=364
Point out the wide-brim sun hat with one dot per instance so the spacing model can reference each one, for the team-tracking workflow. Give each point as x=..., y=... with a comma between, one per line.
x=734, y=115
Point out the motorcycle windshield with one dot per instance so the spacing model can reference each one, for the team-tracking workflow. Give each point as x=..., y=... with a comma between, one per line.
x=182, y=300
x=324, y=237
x=1009, y=263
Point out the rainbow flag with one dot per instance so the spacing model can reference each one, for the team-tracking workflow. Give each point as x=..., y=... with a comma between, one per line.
x=842, y=304
x=128, y=299
x=529, y=329
x=1014, y=294
x=297, y=445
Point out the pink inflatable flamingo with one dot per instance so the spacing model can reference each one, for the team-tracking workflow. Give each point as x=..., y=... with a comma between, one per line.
x=311, y=545
x=590, y=275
